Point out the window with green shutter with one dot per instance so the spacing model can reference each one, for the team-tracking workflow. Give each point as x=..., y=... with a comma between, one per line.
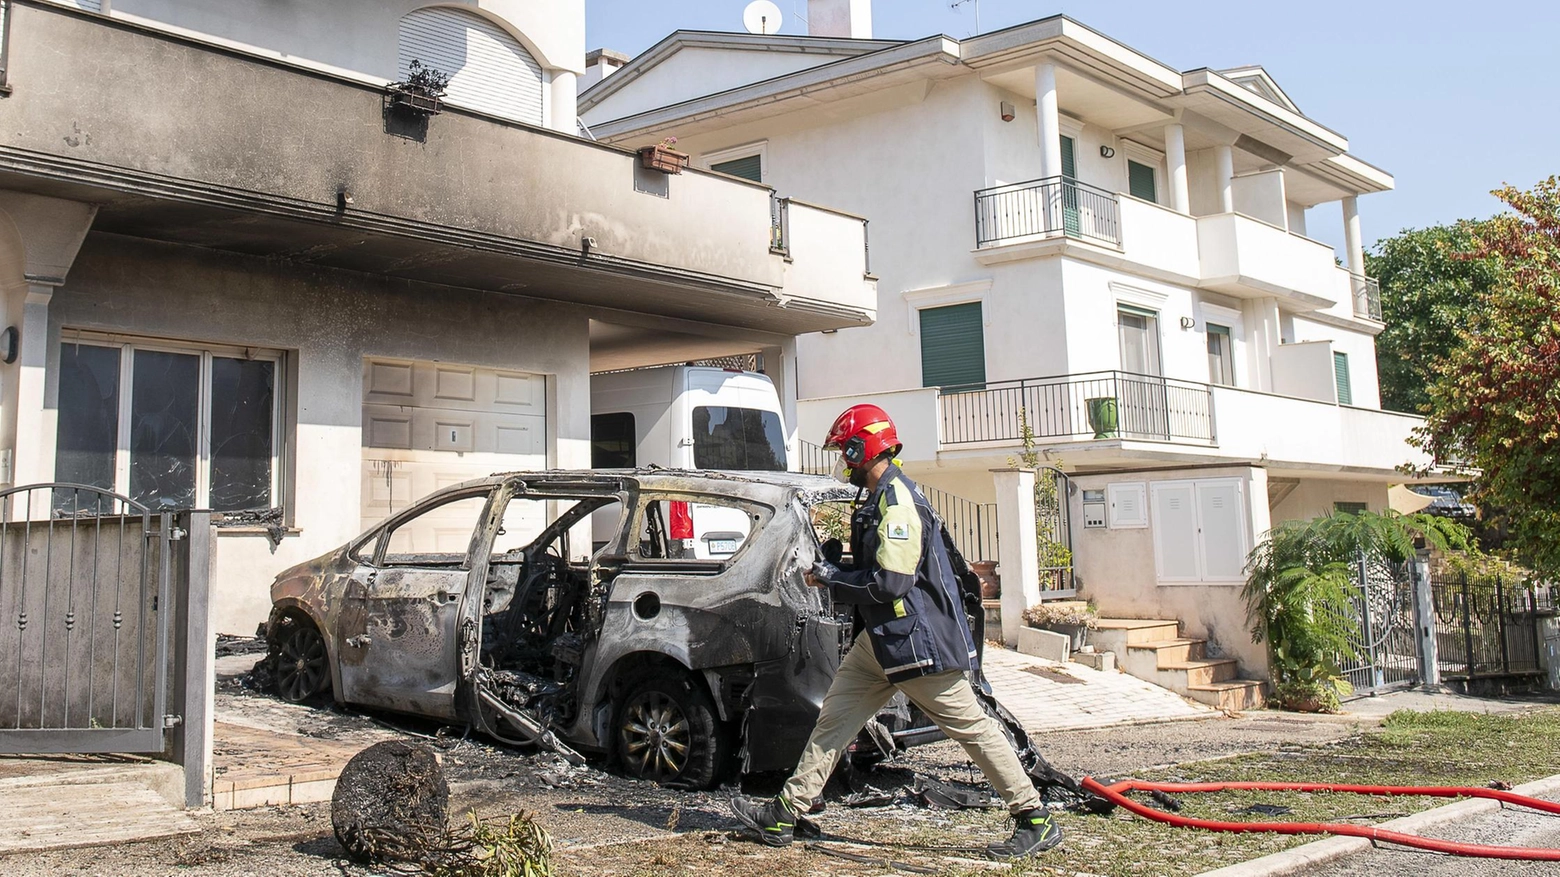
x=953, y=346
x=1341, y=373
x=1140, y=181
x=1069, y=159
x=749, y=167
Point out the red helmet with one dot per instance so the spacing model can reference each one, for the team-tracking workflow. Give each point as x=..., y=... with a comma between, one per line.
x=861, y=434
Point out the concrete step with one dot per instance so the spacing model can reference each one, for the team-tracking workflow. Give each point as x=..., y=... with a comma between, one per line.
x=1173, y=651
x=1115, y=634
x=1186, y=674
x=1234, y=695
x=89, y=807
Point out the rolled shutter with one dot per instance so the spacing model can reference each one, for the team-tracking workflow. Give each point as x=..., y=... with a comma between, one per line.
x=1140, y=181
x=489, y=70
x=1069, y=160
x=953, y=346
x=1341, y=374
x=750, y=167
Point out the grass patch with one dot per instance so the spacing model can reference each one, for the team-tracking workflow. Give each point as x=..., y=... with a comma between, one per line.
x=1437, y=748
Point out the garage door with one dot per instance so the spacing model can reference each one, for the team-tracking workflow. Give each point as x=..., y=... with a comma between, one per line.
x=429, y=425
x=489, y=70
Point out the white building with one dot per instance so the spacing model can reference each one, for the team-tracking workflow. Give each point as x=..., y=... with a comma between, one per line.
x=1061, y=223
x=243, y=279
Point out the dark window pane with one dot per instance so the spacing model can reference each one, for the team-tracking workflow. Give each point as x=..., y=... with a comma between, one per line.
x=88, y=421
x=738, y=438
x=612, y=441
x=164, y=411
x=243, y=394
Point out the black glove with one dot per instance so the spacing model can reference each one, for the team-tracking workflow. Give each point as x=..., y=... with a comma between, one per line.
x=833, y=550
x=825, y=571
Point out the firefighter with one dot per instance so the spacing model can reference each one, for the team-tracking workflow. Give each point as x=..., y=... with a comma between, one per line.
x=917, y=640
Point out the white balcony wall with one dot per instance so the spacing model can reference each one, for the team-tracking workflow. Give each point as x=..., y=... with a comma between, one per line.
x=1287, y=430
x=1159, y=238
x=1305, y=370
x=1244, y=257
x=1361, y=348
x=826, y=249
x=1261, y=195
x=914, y=412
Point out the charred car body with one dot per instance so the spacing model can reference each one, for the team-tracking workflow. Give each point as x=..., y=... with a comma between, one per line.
x=552, y=608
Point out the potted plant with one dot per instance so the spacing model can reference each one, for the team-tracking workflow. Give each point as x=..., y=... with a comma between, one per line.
x=1067, y=617
x=663, y=157
x=1103, y=417
x=421, y=91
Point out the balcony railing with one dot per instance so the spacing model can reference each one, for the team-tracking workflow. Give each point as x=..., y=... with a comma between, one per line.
x=1098, y=405
x=1052, y=207
x=780, y=225
x=1367, y=297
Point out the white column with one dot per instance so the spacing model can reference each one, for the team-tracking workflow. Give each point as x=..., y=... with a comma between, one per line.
x=1224, y=160
x=1175, y=157
x=1354, y=248
x=1050, y=124
x=1018, y=552
x=1263, y=335
x=563, y=105
x=780, y=366
x=33, y=460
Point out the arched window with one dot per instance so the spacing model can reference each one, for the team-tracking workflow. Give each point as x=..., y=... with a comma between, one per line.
x=490, y=71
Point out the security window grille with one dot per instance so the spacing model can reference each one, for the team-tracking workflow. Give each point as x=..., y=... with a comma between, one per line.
x=1341, y=374
x=953, y=346
x=612, y=441
x=1140, y=181
x=750, y=167
x=1221, y=364
x=169, y=426
x=1138, y=332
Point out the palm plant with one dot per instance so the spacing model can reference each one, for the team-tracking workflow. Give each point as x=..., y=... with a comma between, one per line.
x=1303, y=583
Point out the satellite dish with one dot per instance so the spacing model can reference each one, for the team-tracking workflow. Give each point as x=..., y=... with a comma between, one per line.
x=761, y=17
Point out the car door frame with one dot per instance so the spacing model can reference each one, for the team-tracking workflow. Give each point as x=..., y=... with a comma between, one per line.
x=402, y=628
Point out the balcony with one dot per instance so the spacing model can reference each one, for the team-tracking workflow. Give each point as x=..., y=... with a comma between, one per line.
x=257, y=155
x=1049, y=208
x=1248, y=258
x=1367, y=297
x=1101, y=405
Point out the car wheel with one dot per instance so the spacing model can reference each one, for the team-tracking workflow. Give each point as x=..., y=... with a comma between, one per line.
x=668, y=732
x=302, y=666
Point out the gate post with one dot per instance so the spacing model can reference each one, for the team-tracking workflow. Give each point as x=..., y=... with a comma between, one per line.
x=1424, y=616
x=194, y=681
x=1018, y=552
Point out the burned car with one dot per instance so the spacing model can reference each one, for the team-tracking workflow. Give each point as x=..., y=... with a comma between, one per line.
x=565, y=609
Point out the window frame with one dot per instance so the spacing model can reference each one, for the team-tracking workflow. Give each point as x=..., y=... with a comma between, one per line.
x=930, y=305
x=758, y=148
x=1152, y=333
x=1227, y=358
x=127, y=345
x=1343, y=378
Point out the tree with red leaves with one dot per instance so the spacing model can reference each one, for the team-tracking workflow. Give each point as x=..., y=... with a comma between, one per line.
x=1495, y=399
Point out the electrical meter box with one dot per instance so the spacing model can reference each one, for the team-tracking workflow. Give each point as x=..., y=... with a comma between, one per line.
x=1093, y=509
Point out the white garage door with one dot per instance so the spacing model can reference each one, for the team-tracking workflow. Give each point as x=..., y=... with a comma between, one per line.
x=428, y=425
x=489, y=70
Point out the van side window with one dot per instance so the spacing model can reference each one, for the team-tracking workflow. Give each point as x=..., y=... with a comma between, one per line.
x=738, y=438
x=612, y=441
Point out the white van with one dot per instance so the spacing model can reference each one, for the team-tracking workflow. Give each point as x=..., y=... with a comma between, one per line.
x=689, y=417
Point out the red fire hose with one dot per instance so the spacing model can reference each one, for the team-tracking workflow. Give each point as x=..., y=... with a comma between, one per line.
x=1116, y=793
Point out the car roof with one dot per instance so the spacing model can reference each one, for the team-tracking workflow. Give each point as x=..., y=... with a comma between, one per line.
x=770, y=487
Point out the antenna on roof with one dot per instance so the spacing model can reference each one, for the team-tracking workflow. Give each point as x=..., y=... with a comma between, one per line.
x=761, y=17
x=957, y=3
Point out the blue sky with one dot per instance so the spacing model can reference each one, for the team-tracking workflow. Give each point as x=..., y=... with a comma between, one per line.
x=1453, y=99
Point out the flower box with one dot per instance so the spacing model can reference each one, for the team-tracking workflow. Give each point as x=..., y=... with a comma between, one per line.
x=663, y=158
x=411, y=101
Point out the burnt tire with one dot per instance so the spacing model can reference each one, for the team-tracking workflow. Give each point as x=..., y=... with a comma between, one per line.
x=666, y=730
x=302, y=666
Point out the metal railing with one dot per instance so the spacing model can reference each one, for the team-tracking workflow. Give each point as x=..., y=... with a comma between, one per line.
x=1487, y=626
x=779, y=225
x=1052, y=207
x=1097, y=405
x=1367, y=296
x=973, y=525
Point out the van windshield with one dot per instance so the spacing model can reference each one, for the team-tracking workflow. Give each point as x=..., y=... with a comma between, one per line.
x=737, y=438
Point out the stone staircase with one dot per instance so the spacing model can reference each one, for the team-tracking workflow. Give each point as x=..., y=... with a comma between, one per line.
x=1153, y=649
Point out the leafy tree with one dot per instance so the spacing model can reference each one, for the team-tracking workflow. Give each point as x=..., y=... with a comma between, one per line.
x=1300, y=587
x=1495, y=400
x=1429, y=284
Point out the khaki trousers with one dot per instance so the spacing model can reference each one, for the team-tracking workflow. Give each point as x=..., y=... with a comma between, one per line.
x=860, y=689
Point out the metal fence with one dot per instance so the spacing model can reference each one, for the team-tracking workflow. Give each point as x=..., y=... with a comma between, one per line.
x=1055, y=206
x=1386, y=649
x=973, y=525
x=1488, y=627
x=1096, y=405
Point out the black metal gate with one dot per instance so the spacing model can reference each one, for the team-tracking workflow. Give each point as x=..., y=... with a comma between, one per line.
x=84, y=621
x=1486, y=627
x=1053, y=533
x=1386, y=649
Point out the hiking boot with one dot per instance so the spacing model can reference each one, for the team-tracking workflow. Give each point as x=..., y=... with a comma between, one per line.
x=1034, y=832
x=774, y=820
